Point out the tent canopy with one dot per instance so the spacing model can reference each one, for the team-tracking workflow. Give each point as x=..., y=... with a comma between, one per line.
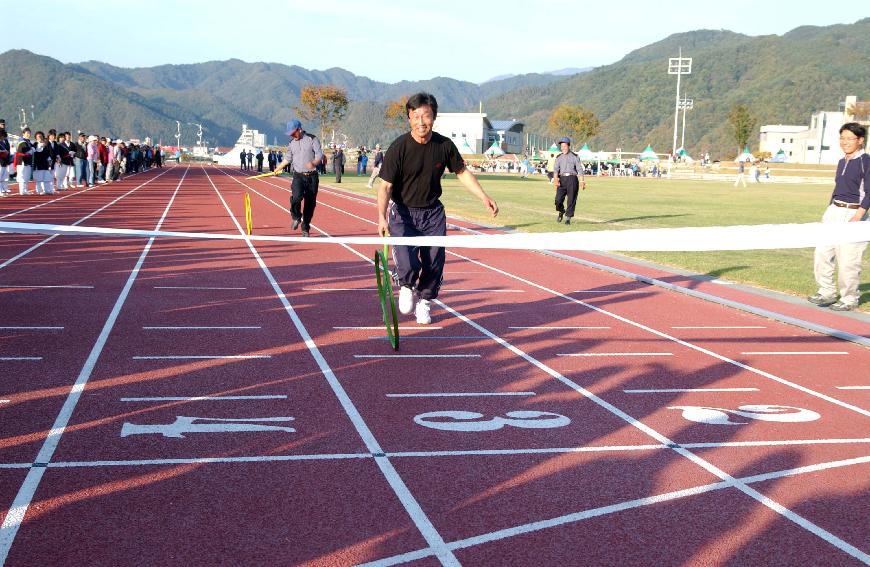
x=780, y=157
x=745, y=155
x=648, y=154
x=465, y=148
x=585, y=154
x=494, y=149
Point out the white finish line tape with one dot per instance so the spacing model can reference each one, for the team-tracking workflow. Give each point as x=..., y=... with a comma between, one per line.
x=741, y=237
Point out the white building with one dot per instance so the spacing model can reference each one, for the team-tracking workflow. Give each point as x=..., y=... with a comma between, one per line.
x=822, y=141
x=248, y=140
x=474, y=133
x=776, y=137
x=817, y=143
x=509, y=134
x=466, y=129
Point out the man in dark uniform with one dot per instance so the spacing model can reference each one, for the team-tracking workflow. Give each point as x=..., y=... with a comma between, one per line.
x=565, y=178
x=303, y=155
x=411, y=187
x=338, y=163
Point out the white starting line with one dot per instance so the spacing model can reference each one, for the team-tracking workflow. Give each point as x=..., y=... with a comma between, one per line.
x=617, y=354
x=805, y=352
x=202, y=328
x=687, y=390
x=853, y=387
x=15, y=358
x=416, y=356
x=459, y=394
x=551, y=328
x=196, y=287
x=31, y=328
x=380, y=327
x=719, y=327
x=201, y=398
x=203, y=357
x=8, y=286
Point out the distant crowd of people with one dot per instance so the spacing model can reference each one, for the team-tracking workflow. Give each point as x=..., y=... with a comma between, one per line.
x=56, y=161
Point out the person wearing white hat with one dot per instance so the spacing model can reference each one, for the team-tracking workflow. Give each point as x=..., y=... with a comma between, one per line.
x=93, y=156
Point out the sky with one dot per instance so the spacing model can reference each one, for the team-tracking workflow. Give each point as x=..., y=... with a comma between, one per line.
x=388, y=40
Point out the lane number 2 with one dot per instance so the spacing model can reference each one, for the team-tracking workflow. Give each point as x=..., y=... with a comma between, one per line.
x=452, y=420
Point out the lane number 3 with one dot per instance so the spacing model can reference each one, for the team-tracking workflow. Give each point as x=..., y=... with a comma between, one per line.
x=472, y=421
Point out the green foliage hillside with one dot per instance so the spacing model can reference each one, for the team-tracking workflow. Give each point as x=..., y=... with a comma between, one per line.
x=783, y=80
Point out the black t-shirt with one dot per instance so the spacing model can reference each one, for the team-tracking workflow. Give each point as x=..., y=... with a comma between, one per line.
x=415, y=169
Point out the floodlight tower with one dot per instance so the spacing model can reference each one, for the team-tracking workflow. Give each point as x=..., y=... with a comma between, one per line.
x=178, y=134
x=678, y=66
x=685, y=104
x=198, y=133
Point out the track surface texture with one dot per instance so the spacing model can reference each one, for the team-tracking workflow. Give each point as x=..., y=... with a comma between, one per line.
x=195, y=402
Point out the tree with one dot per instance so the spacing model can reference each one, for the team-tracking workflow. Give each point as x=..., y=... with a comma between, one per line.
x=325, y=103
x=742, y=125
x=395, y=115
x=573, y=121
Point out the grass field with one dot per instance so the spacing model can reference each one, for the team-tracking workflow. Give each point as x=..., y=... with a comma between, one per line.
x=622, y=203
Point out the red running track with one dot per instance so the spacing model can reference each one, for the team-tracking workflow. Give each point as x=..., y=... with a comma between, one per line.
x=190, y=402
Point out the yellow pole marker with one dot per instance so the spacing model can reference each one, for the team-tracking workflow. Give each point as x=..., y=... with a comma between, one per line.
x=248, y=221
x=270, y=174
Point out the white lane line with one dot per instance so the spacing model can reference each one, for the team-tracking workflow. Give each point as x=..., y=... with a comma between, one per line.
x=628, y=505
x=613, y=291
x=31, y=328
x=339, y=289
x=423, y=523
x=209, y=460
x=680, y=390
x=15, y=515
x=451, y=290
x=416, y=356
x=434, y=337
x=4, y=401
x=203, y=357
x=76, y=223
x=378, y=328
x=557, y=328
x=8, y=286
x=14, y=358
x=201, y=398
x=199, y=287
x=617, y=354
x=796, y=352
x=719, y=327
x=853, y=387
x=202, y=328
x=445, y=290
x=459, y=394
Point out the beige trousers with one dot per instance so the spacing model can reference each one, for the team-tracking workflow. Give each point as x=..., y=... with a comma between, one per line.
x=846, y=257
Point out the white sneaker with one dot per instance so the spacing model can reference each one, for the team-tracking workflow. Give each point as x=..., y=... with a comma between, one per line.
x=406, y=300
x=422, y=312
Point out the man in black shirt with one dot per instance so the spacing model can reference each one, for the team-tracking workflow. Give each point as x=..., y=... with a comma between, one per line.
x=411, y=187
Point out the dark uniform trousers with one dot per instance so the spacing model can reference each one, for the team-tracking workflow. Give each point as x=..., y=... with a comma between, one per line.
x=569, y=186
x=304, y=187
x=419, y=267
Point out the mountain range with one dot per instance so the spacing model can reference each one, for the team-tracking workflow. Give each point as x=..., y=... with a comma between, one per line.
x=782, y=79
